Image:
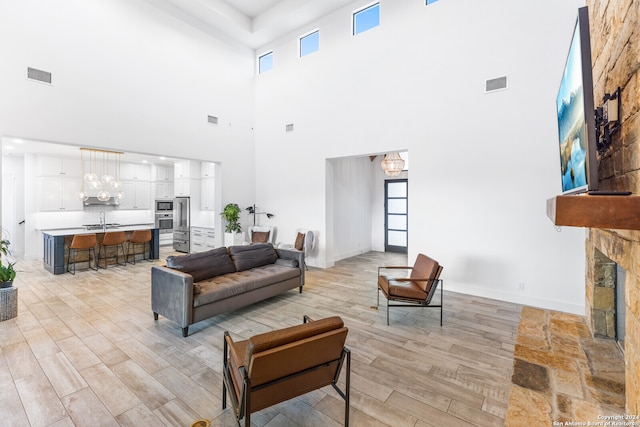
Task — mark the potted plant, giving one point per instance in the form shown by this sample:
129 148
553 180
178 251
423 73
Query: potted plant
7 273
233 231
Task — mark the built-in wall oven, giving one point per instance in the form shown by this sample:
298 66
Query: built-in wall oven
164 222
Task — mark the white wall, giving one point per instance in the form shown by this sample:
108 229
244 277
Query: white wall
482 165
352 200
13 204
127 76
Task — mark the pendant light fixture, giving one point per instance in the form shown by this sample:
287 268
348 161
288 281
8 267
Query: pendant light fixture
392 164
103 194
101 186
107 178
82 194
90 177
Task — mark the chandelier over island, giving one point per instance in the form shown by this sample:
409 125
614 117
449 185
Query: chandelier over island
103 175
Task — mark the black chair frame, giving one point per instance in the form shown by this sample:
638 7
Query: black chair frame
411 302
95 260
243 408
117 256
144 252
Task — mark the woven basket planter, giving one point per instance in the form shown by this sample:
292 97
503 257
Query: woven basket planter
8 303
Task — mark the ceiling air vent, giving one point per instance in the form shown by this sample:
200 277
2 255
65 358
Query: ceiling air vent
289 128
212 119
498 83
39 75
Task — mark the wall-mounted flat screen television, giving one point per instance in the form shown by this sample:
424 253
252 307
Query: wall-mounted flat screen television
576 117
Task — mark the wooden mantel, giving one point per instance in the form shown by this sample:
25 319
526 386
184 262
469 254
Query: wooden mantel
595 211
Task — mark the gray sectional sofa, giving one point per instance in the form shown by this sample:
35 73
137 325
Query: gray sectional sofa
195 287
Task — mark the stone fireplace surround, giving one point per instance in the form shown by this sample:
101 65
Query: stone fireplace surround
615 55
622 247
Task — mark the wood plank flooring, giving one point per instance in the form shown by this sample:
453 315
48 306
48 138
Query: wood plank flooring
85 351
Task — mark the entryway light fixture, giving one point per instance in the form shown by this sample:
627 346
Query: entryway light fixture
106 182
392 164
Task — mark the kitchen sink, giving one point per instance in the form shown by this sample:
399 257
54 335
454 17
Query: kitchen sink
100 226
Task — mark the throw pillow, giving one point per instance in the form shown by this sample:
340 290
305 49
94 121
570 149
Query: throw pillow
252 256
299 245
260 237
203 265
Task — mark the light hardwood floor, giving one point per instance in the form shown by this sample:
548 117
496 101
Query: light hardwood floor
85 351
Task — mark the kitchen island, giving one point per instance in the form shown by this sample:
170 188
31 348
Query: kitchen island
57 241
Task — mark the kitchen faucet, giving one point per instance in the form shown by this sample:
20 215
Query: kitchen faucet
103 221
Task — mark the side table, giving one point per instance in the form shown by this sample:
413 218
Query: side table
8 303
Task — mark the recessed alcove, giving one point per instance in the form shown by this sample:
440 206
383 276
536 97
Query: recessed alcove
608 308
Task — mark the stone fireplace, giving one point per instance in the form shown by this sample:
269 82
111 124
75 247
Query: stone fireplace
615 51
605 250
607 315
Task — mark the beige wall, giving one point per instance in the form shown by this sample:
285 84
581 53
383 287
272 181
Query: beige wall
615 45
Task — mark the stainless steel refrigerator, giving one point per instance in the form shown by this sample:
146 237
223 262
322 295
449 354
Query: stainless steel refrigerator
181 224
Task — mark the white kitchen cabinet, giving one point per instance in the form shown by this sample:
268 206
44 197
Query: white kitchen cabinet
55 165
163 173
181 169
134 172
186 169
207 194
202 239
181 187
164 190
137 195
207 170
59 193
188 188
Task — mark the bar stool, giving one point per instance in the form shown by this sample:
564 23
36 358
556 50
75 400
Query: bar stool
139 237
82 242
110 239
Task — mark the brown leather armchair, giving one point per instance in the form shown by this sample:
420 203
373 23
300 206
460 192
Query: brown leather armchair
272 367
417 290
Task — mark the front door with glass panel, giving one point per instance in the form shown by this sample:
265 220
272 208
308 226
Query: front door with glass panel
395 213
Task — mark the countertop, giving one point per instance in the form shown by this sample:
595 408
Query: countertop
82 230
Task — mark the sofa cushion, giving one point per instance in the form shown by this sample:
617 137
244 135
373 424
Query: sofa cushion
299 244
401 289
260 237
251 256
203 265
235 284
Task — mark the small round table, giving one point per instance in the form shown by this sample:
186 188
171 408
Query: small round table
8 303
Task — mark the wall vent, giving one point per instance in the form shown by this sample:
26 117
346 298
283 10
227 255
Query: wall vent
212 119
39 75
289 127
498 83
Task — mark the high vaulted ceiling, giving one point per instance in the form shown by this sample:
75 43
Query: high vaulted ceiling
252 23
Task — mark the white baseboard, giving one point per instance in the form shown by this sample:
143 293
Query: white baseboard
520 298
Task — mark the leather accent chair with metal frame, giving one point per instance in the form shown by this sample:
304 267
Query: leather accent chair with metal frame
276 366
417 290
